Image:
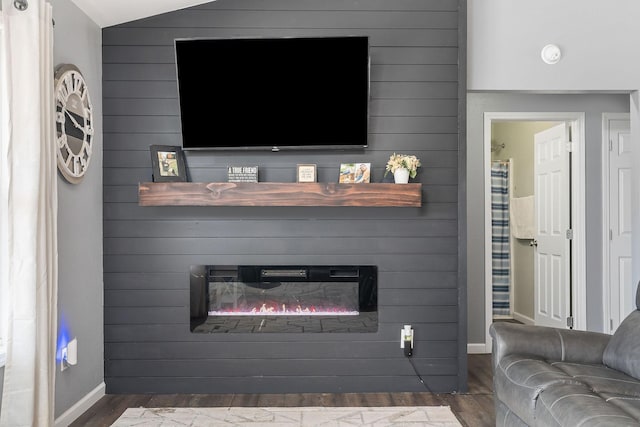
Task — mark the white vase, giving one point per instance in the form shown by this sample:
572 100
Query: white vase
401 176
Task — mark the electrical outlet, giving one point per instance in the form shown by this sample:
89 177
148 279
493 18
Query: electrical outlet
69 355
406 340
63 359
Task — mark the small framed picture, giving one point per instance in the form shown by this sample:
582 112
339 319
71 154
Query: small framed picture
307 173
168 163
355 173
347 173
363 173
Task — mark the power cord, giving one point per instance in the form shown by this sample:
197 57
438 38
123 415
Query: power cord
418 375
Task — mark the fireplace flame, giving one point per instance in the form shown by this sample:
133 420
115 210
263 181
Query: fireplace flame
272 310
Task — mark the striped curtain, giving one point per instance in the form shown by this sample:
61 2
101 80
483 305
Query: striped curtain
500 252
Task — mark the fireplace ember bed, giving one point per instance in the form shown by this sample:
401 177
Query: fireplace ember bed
258 298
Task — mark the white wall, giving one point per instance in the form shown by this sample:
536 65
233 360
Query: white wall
78 40
598 39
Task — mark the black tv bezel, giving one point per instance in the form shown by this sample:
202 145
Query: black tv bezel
272 148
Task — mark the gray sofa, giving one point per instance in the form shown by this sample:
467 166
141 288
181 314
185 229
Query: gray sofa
558 377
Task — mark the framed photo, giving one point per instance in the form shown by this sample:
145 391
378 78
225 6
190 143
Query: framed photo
355 173
307 173
168 163
363 173
347 173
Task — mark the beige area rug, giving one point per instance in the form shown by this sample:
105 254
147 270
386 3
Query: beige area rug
413 416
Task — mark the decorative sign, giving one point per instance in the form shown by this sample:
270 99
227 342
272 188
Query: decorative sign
307 173
242 173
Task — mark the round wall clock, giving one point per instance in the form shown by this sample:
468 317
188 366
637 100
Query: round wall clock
74 123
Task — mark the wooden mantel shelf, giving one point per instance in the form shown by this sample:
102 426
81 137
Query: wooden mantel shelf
278 194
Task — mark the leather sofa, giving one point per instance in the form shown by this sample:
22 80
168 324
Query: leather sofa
559 377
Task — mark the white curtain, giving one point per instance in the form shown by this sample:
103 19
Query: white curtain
28 215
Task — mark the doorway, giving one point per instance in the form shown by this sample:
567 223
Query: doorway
526 299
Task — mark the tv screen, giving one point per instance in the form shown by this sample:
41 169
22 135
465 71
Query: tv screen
273 93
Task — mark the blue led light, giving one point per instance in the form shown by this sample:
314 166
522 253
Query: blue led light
63 338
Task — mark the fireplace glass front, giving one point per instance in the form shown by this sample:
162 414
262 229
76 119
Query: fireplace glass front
283 299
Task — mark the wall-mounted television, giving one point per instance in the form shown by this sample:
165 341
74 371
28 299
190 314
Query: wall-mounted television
273 93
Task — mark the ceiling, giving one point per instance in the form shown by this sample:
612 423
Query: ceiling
106 13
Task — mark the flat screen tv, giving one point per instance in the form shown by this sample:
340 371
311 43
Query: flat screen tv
273 93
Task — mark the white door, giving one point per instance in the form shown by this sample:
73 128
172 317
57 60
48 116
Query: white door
621 289
552 282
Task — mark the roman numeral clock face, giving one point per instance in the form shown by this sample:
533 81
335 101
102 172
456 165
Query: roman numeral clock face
74 123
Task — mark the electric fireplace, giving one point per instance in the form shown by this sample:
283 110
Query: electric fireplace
265 298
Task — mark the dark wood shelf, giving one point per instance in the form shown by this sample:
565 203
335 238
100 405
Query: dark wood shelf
278 194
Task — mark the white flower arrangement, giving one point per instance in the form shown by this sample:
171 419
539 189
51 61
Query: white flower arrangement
399 161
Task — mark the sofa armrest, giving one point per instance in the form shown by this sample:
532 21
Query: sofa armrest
547 343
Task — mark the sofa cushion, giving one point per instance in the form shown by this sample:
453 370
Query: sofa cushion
601 379
576 405
623 351
519 380
629 404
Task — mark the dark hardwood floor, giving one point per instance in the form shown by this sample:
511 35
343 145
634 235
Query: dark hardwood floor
474 408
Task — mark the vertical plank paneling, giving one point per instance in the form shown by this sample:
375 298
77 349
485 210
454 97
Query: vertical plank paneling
415 109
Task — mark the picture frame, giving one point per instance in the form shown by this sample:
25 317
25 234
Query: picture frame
307 173
347 173
168 163
355 173
363 173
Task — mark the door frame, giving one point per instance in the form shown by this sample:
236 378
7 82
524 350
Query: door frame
606 220
578 207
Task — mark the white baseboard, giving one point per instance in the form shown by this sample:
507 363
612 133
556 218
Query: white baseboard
72 414
524 319
478 348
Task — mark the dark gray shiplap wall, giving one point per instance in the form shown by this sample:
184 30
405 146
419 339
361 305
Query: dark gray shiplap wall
147 250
